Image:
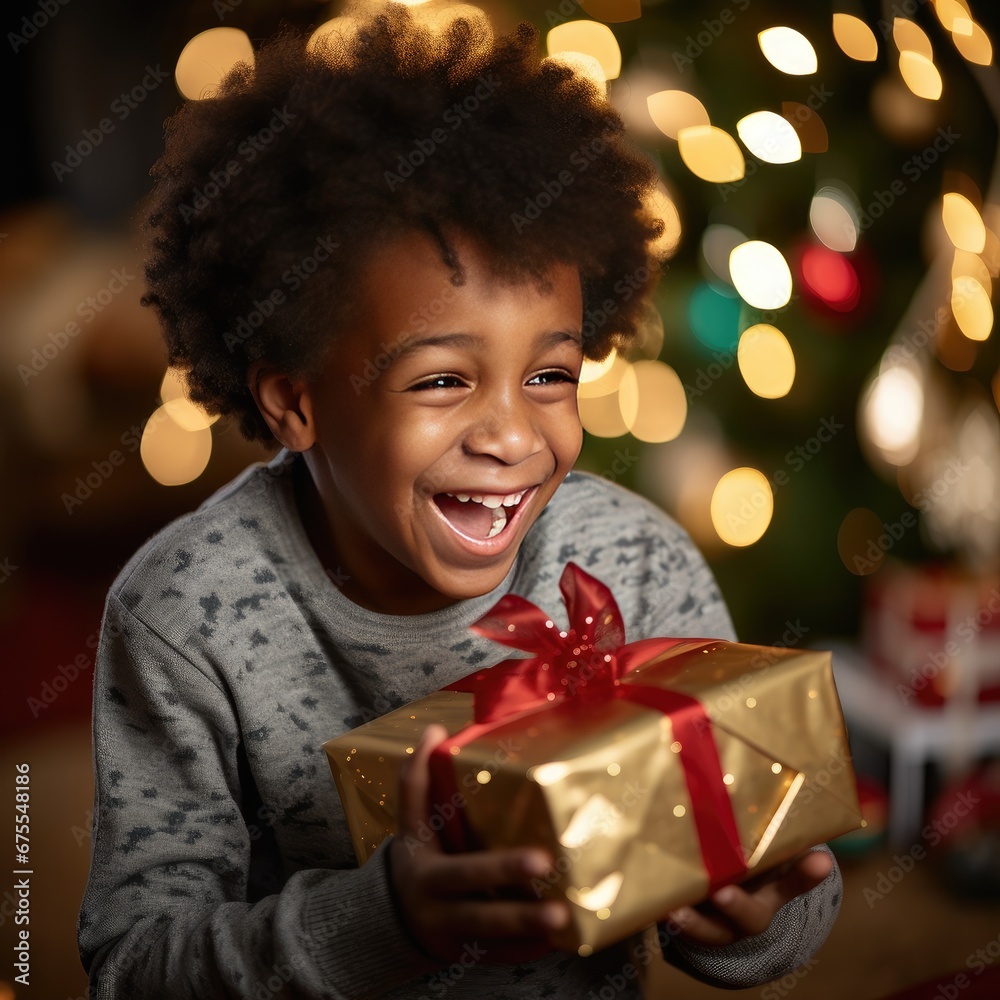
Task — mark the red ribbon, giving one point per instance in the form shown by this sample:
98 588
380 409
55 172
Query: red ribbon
587 663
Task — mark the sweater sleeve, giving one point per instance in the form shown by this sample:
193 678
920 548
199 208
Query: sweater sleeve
166 910
803 924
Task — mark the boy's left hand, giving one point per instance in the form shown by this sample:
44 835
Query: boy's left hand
737 911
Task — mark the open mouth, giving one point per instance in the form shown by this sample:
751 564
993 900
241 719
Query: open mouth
480 516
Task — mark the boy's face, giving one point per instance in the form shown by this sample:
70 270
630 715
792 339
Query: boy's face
439 393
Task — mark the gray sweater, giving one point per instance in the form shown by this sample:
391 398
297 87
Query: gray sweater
221 864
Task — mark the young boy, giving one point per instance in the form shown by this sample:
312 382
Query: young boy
416 355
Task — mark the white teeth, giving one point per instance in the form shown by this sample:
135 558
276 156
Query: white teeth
491 500
499 521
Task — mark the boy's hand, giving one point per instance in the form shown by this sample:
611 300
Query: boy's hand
738 911
481 898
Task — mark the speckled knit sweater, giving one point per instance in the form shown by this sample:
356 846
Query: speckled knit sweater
222 865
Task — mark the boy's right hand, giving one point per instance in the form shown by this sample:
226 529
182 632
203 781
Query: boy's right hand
448 901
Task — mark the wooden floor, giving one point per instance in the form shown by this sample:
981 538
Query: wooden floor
915 932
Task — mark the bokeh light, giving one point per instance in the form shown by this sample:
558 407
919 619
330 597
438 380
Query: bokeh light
584 66
652 401
172 455
761 274
601 415
602 377
770 137
673 110
833 215
742 506
714 317
592 39
831 278
207 58
910 37
183 412
766 360
920 75
788 50
612 10
857 541
891 414
963 223
974 46
855 38
717 243
711 154
809 127
971 307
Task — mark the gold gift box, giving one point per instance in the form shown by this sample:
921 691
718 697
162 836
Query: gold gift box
601 786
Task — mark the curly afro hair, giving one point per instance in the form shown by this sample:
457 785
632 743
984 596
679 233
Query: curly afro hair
271 193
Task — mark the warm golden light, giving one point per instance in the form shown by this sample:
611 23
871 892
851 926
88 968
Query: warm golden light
584 66
591 38
336 31
963 223
605 381
892 410
207 58
660 205
788 50
920 75
974 46
711 153
184 413
591 371
971 307
652 401
855 38
808 125
766 361
672 110
769 137
742 506
761 274
972 266
601 415
910 37
952 14
833 216
172 455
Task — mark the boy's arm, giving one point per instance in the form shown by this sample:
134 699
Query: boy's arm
795 933
165 910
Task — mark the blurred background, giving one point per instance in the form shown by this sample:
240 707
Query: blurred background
815 398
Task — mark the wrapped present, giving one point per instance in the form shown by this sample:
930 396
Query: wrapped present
653 771
934 633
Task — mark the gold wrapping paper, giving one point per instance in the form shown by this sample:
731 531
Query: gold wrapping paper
602 788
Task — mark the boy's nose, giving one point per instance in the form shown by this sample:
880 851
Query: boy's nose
505 429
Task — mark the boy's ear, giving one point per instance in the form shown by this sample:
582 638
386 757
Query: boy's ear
286 405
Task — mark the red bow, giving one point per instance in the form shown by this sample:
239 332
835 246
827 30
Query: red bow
587 663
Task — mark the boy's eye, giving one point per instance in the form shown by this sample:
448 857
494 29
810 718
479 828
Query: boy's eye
553 377
438 382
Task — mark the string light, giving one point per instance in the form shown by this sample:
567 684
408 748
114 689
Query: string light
788 50
207 58
590 38
856 40
742 506
963 223
711 154
766 361
652 401
673 110
172 455
920 75
770 137
761 274
833 215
